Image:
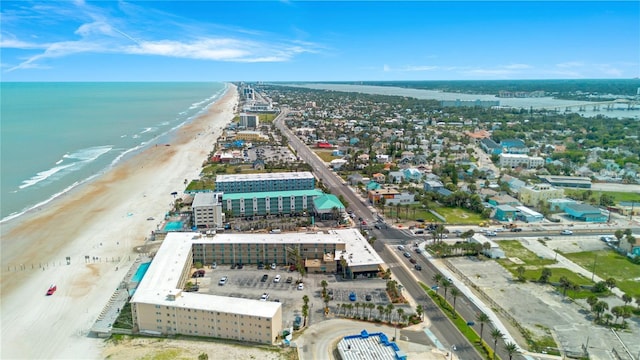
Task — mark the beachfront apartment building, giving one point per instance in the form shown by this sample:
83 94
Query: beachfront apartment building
249 120
515 160
539 193
270 202
160 307
207 210
283 181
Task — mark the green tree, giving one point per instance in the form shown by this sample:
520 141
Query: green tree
305 313
545 275
446 284
454 293
400 312
482 318
437 278
380 309
520 270
496 335
420 311
203 356
511 349
611 283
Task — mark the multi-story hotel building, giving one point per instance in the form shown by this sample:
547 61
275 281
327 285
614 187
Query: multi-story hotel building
159 305
269 203
245 183
207 210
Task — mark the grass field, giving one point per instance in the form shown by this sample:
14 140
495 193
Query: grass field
617 195
325 155
459 216
609 264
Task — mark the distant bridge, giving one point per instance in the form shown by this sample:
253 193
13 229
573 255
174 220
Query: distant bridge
617 104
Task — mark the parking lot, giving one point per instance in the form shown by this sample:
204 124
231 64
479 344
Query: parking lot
246 283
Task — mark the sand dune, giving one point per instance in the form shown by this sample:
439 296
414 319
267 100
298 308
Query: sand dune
105 219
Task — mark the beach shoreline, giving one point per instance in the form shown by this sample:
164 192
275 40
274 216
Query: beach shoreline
104 220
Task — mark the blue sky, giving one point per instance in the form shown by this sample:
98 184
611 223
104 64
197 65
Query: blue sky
317 41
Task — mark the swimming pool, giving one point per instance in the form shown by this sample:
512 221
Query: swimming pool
173 226
142 269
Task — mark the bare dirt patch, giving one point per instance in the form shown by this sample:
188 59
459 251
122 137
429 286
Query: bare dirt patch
147 348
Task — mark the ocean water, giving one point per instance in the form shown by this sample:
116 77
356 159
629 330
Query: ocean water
55 136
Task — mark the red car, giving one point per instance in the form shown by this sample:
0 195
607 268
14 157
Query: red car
51 290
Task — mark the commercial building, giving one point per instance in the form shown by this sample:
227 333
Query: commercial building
269 202
539 193
490 147
493 251
505 213
567 181
249 120
207 210
586 213
320 252
527 215
159 305
514 146
515 160
284 181
248 135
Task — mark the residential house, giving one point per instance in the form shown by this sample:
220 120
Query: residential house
379 178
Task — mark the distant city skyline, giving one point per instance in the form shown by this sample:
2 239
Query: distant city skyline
318 41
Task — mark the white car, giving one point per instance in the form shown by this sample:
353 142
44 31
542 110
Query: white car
264 297
273 266
276 279
222 281
301 286
566 232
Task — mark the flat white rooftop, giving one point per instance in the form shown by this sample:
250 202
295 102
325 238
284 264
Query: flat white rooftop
358 251
160 283
202 199
264 176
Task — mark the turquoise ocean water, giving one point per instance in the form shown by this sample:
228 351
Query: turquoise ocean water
55 136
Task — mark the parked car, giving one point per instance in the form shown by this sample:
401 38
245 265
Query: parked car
197 274
239 266
352 296
214 265
223 280
264 278
276 279
273 266
566 232
52 289
368 297
260 265
292 267
301 286
264 297
289 280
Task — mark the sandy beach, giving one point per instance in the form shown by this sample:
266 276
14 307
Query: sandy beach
104 220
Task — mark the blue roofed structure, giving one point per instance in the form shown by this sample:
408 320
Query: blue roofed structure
367 346
586 213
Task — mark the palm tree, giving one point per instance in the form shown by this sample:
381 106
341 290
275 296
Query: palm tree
400 313
445 284
599 308
545 275
380 309
511 349
390 308
371 306
420 311
482 318
565 284
357 307
349 307
437 278
495 334
454 293
305 313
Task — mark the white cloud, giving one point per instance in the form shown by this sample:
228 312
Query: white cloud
99 32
